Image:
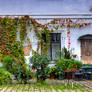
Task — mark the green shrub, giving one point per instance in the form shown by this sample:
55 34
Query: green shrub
69 64
40 63
16 68
56 71
8 63
52 70
5 76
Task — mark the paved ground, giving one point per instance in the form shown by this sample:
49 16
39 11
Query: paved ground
55 86
86 84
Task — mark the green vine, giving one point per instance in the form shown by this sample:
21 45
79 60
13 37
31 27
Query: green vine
9 43
44 30
22 29
8 35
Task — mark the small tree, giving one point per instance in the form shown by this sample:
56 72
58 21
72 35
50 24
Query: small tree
40 63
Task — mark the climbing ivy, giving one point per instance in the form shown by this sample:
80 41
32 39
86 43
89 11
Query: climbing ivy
9 28
22 28
44 42
9 44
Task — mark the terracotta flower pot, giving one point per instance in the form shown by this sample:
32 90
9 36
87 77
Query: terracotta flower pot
52 76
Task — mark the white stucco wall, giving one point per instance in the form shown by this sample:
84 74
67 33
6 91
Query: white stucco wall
33 40
74 35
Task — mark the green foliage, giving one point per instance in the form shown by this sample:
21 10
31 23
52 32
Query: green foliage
41 84
40 62
22 28
5 76
17 51
64 53
8 62
44 40
12 44
8 35
16 68
47 69
55 70
79 64
69 64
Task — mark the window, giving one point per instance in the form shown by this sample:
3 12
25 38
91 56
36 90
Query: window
55 37
55 45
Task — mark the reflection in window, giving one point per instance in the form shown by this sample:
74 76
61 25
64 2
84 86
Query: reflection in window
55 45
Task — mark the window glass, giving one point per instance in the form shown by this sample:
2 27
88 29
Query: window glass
55 45
55 48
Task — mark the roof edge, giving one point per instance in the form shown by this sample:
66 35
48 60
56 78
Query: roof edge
55 15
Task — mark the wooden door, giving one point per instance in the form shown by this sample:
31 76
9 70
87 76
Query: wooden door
86 51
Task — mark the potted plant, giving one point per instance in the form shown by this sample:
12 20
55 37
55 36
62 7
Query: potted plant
69 66
52 72
56 72
40 63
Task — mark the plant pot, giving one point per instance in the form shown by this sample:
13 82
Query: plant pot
52 76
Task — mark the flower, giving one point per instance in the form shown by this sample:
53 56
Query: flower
73 69
74 64
8 52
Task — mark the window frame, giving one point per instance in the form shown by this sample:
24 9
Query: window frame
51 42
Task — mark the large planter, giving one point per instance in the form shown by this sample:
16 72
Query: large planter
70 73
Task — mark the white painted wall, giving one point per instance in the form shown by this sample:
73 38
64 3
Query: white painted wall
34 40
75 34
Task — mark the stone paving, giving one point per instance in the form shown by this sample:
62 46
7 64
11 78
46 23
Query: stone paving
84 83
86 87
87 84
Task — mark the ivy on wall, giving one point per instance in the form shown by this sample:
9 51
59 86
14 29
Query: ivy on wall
9 44
44 30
